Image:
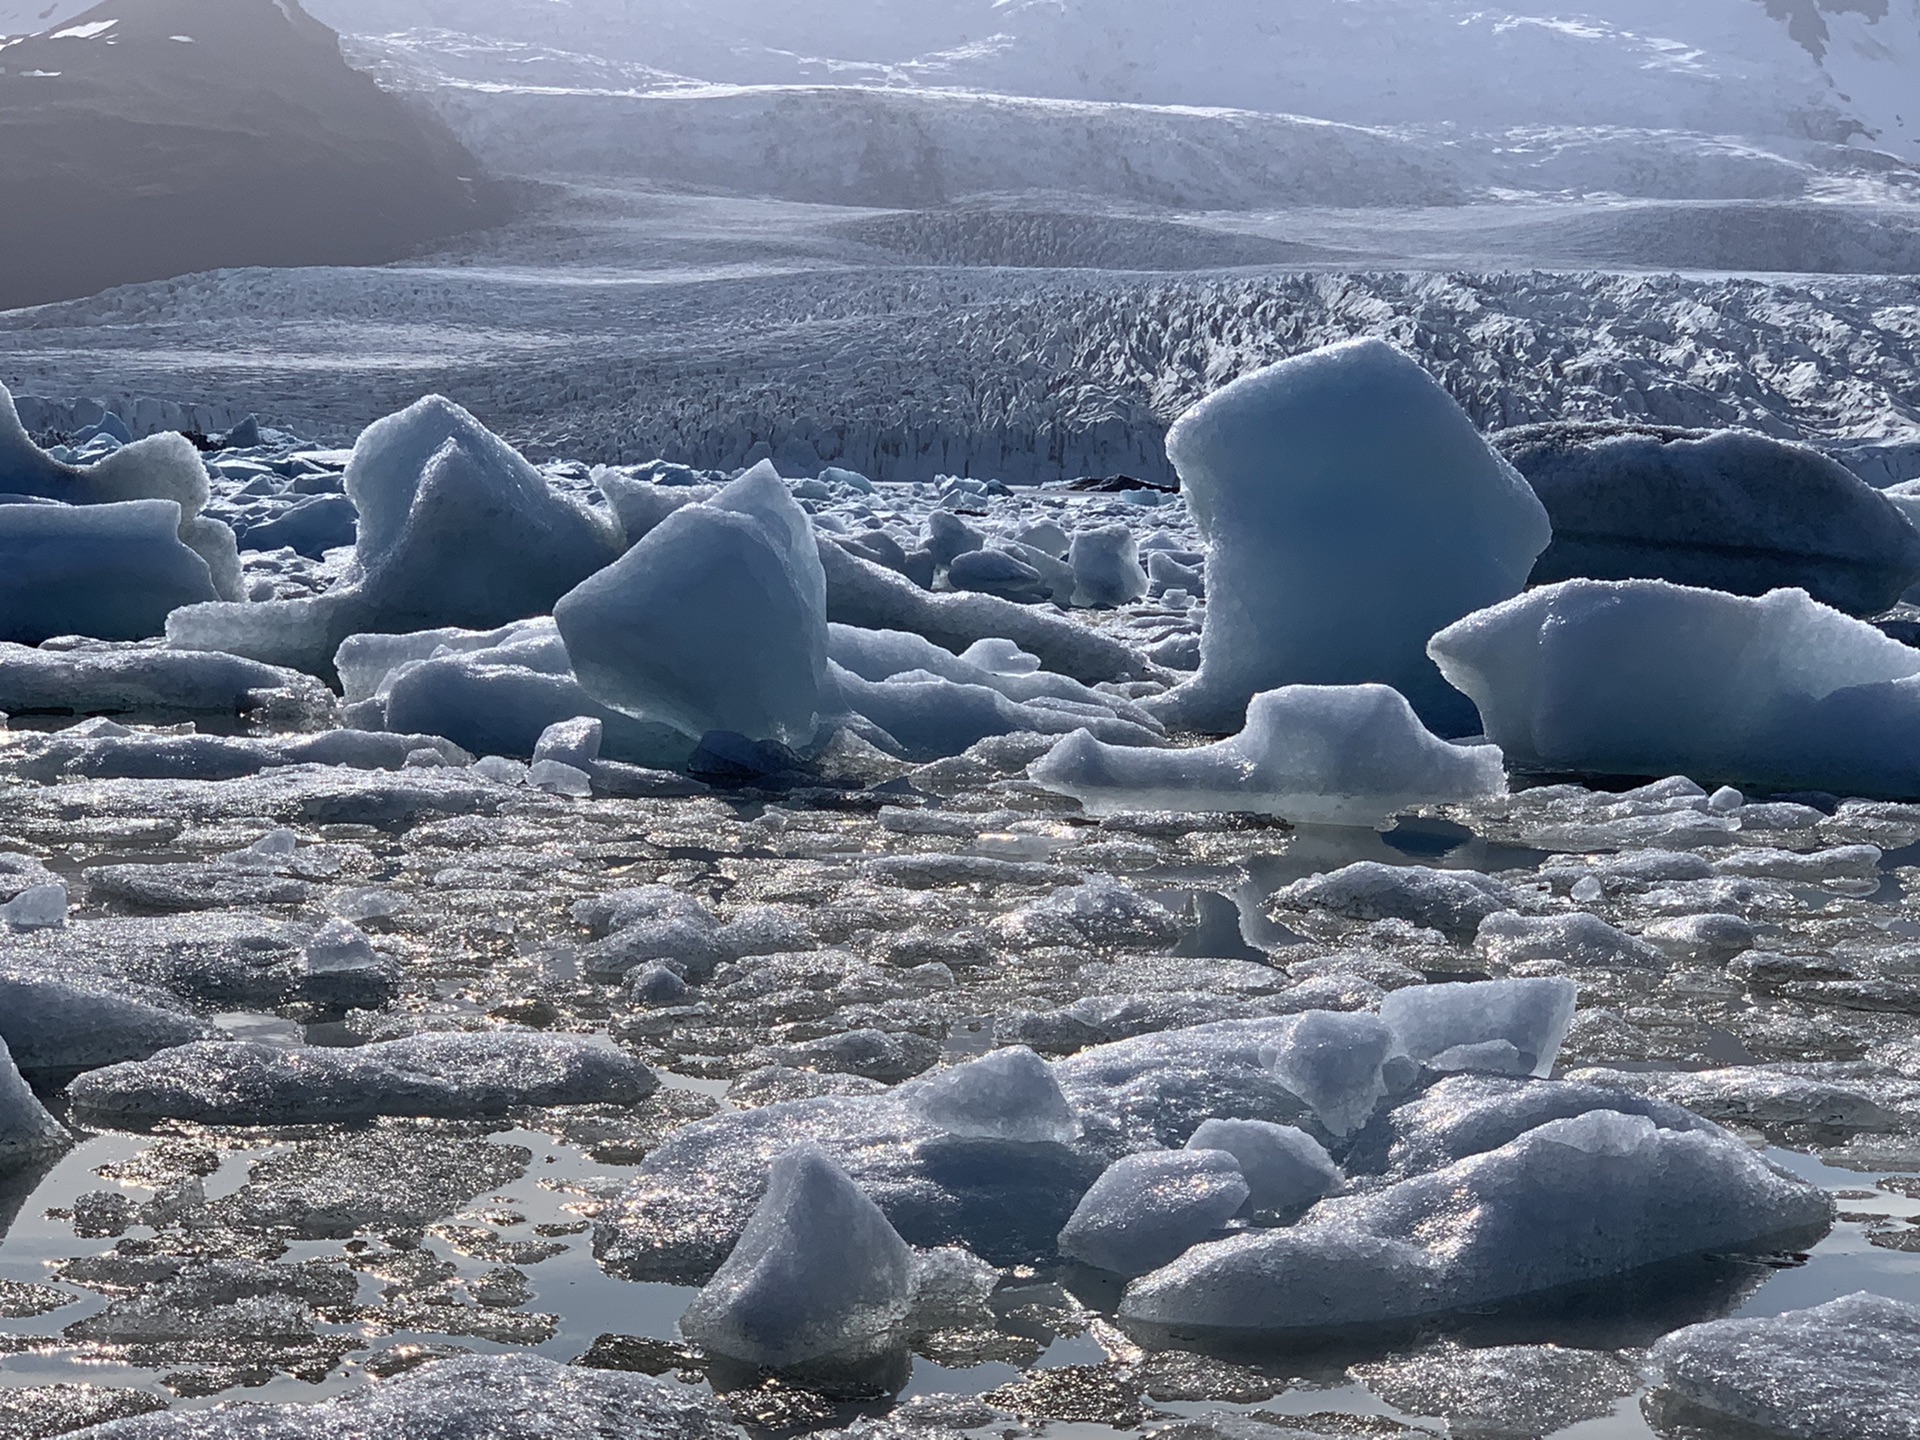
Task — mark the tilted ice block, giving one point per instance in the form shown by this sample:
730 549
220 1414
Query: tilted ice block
818 1274
114 571
1331 755
449 1074
1639 677
1150 1208
1335 1063
1724 510
1531 1016
1351 511
715 621
456 528
1010 1094
1286 1169
1573 1200
1846 1370
27 1131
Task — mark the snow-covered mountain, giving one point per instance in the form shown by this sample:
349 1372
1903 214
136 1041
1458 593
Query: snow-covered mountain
1816 69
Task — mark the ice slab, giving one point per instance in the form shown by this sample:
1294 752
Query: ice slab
1507 938
1150 1208
445 1074
1571 1201
1329 755
1106 567
1846 1370
1010 1094
1639 677
1454 902
107 680
817 1274
716 620
1725 510
1351 511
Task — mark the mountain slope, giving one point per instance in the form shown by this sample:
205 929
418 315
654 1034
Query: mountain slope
146 138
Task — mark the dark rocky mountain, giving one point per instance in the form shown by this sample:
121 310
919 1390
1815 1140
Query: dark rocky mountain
148 138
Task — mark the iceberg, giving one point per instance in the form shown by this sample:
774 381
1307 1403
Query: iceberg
817 1274
1640 677
1315 755
1351 511
112 571
1721 510
716 620
456 529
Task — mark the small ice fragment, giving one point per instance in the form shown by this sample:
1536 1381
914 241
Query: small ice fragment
502 770
1286 1169
1010 1094
370 903
573 742
558 779
1725 800
1430 1021
1587 889
1334 1063
38 907
339 945
656 985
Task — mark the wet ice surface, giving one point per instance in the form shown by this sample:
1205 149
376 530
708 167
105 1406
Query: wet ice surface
195 1262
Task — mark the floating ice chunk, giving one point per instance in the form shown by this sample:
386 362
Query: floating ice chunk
27 1131
1641 677
1701 939
817 1275
1340 755
1503 1391
1010 1094
1572 1200
1851 867
1286 1169
114 572
1846 1370
1352 510
521 1395
1530 1016
1148 1209
574 742
444 1074
997 572
1506 938
456 528
1106 567
38 907
1336 1064
656 985
924 717
1454 902
715 621
1104 912
1722 510
1000 665
949 537
344 970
